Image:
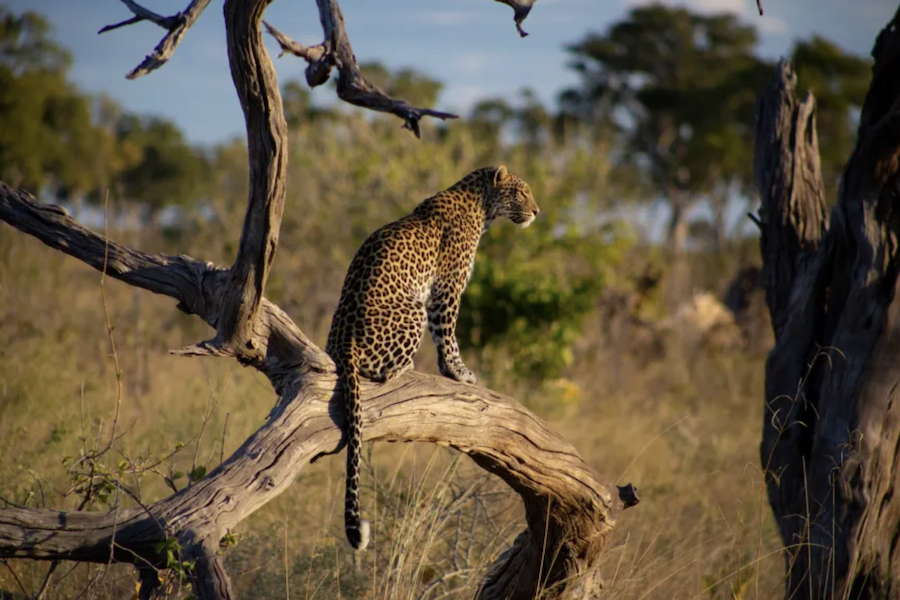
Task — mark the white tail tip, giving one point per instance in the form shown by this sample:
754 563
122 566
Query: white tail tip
365 533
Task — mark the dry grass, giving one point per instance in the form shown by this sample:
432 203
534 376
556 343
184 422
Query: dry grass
684 429
683 426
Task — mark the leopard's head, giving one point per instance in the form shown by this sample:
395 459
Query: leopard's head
509 196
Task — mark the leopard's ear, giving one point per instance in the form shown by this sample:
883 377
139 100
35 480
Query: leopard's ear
501 175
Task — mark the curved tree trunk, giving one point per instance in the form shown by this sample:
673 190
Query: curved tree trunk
831 432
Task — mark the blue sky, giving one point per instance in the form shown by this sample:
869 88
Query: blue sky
470 45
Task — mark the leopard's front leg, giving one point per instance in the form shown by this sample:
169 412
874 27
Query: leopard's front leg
443 310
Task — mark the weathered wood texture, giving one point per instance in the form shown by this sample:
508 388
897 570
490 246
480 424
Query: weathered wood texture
257 88
831 431
570 511
176 25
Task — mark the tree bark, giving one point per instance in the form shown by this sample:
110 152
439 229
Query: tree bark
570 512
831 431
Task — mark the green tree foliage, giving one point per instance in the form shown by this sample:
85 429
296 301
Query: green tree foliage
839 80
530 298
53 137
45 123
680 89
167 171
531 291
488 121
298 106
26 45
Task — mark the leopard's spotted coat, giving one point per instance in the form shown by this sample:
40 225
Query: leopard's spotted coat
409 273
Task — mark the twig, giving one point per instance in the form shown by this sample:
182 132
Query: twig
222 448
143 14
756 220
353 87
5 563
10 503
109 327
43 589
521 9
112 538
211 403
177 26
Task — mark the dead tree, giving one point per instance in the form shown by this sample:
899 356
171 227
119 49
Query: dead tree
570 511
831 432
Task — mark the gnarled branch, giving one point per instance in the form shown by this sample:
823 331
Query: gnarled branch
196 285
521 8
257 87
177 26
352 87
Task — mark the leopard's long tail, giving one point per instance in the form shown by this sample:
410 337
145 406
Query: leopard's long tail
357 529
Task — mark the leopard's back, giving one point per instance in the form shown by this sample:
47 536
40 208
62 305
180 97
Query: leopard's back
381 311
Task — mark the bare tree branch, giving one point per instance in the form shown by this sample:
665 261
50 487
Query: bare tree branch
177 26
196 285
257 87
143 14
53 226
521 9
319 57
352 87
256 84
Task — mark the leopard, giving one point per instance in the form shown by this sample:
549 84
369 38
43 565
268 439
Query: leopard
408 275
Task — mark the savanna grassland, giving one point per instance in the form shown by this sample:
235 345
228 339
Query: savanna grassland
615 335
677 413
